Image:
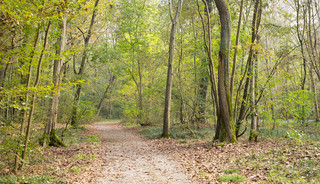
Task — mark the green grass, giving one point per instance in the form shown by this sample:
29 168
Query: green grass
81 156
92 138
128 124
75 135
230 171
30 180
232 178
311 131
76 169
180 132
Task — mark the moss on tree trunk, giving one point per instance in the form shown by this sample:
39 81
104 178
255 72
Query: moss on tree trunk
52 140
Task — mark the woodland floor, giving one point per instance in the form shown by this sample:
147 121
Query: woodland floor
122 155
130 158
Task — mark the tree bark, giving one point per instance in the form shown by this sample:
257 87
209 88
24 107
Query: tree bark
203 85
315 98
74 119
167 108
211 65
312 53
33 98
249 68
49 137
227 127
254 114
105 95
28 82
236 53
301 39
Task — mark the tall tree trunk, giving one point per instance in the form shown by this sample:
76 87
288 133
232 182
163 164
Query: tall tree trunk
312 53
227 126
301 40
50 136
213 82
33 98
315 98
180 84
28 82
167 108
254 88
77 94
236 53
204 80
105 94
249 68
140 98
203 88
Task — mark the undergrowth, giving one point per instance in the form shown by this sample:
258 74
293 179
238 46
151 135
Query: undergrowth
32 180
291 129
36 154
74 136
232 178
180 132
285 129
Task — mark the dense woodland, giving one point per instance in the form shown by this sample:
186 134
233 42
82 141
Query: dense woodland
245 68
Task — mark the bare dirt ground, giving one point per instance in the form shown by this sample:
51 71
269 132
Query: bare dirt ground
129 158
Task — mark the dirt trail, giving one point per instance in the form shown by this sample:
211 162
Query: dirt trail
130 159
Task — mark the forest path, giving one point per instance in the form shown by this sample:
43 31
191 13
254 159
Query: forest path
130 158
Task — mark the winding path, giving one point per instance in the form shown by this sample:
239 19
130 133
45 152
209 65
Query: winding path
130 159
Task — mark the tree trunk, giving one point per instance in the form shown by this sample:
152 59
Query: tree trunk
211 65
301 40
315 98
249 68
174 26
74 118
235 53
49 137
140 100
254 113
2 70
24 120
312 53
203 86
226 120
104 95
33 98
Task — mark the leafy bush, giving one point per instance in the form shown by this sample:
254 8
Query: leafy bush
86 111
296 136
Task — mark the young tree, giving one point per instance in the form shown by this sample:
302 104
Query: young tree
34 96
248 73
174 26
84 57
